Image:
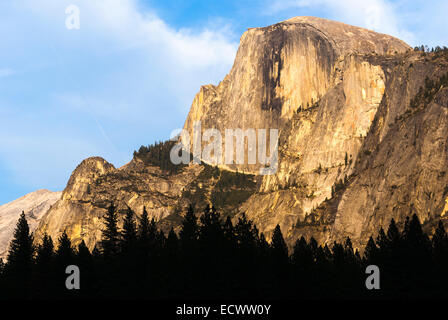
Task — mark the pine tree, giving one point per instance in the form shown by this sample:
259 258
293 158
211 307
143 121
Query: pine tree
64 253
417 246
160 240
130 273
64 257
390 241
170 262
83 255
85 260
143 228
172 245
229 230
144 235
263 245
230 243
188 237
20 261
210 233
21 251
45 251
246 233
414 233
190 229
129 233
381 240
211 244
278 244
371 251
145 240
348 251
96 252
111 236
302 257
280 258
338 256
440 245
406 227
44 272
393 234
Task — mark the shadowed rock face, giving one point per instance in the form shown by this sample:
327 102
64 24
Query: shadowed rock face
352 152
402 169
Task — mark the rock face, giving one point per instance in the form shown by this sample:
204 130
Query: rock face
356 147
289 66
96 184
320 83
34 204
402 166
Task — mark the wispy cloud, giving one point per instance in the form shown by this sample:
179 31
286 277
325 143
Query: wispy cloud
125 78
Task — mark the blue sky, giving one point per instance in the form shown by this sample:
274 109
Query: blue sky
127 77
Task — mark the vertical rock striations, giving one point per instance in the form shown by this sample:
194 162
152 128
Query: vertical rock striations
359 141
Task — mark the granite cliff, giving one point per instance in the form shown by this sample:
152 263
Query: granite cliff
362 122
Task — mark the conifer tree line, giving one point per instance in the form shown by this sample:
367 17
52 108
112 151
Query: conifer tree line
158 154
213 258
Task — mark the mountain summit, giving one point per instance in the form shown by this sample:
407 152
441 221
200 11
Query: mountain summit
362 123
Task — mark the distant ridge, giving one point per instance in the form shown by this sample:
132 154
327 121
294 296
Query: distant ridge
34 204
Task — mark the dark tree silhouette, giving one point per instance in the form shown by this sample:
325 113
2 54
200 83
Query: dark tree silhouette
279 248
279 256
190 229
45 251
64 252
21 249
20 260
44 270
371 252
111 236
129 233
213 258
440 246
86 262
64 257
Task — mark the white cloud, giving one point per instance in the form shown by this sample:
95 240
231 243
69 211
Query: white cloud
121 80
124 22
178 60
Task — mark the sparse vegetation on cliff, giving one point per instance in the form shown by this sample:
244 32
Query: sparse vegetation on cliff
158 154
225 189
426 94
